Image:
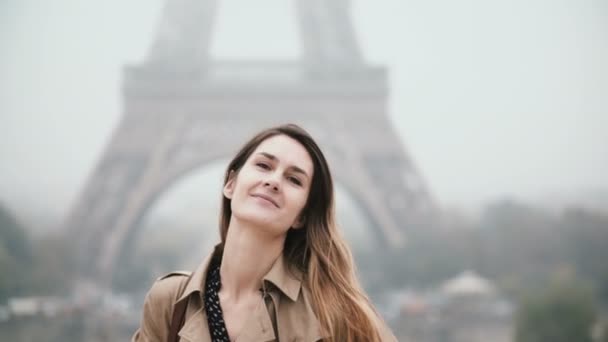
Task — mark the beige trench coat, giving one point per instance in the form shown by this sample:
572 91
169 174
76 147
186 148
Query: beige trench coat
296 320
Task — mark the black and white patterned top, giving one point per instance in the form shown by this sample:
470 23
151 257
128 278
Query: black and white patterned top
215 317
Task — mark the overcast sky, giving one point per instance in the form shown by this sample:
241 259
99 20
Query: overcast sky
491 98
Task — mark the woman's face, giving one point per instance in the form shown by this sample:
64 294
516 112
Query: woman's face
272 187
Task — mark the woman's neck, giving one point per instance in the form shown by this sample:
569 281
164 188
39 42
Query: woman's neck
248 255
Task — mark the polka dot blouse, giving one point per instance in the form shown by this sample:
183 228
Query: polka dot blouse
215 318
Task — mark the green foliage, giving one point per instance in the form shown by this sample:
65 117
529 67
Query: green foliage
562 312
13 237
515 245
519 242
587 234
15 255
31 267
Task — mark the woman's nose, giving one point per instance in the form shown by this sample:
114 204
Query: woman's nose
271 183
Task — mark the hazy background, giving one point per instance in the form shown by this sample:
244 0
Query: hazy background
491 98
503 106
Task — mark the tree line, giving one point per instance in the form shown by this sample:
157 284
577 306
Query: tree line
542 260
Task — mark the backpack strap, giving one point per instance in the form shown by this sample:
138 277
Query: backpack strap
178 317
269 302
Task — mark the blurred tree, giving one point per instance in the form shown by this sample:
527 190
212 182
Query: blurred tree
600 330
515 245
587 235
562 312
13 235
520 246
15 255
39 266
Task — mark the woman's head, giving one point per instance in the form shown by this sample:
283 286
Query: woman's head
281 179
264 167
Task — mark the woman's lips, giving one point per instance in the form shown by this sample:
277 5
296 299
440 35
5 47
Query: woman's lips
267 198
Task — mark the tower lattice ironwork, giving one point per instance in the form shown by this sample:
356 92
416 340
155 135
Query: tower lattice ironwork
182 109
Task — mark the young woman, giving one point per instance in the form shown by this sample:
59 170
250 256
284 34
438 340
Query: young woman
282 271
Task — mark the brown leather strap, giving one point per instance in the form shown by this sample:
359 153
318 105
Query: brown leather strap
177 321
179 316
269 302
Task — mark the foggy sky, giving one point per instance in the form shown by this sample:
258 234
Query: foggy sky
491 98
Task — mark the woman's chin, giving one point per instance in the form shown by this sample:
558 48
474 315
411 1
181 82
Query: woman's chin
266 223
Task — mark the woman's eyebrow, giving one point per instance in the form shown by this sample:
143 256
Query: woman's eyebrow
274 158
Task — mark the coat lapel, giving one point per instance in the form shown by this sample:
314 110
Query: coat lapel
195 328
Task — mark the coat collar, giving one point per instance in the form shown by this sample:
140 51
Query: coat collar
284 278
288 281
197 280
297 322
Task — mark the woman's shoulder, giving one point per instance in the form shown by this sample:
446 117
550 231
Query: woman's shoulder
169 287
158 306
165 292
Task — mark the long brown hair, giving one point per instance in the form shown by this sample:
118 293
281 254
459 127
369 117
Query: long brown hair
318 250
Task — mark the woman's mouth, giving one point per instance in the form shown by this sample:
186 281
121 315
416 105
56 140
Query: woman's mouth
266 198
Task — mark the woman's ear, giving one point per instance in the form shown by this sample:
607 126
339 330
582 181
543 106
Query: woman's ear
229 186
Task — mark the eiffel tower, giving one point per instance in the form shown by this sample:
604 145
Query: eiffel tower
182 110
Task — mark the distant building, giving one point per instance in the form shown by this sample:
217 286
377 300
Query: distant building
467 308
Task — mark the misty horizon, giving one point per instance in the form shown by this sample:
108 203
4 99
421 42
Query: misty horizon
491 101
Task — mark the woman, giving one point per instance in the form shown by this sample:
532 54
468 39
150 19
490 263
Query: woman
282 271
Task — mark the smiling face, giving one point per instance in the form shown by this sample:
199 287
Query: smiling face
272 187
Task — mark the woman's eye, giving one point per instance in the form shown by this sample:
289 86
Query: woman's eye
295 181
263 166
